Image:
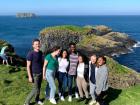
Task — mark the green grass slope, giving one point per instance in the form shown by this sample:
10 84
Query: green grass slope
14 88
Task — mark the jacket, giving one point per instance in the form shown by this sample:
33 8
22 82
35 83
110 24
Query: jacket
101 79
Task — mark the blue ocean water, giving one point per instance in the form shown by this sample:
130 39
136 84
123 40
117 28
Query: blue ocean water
20 32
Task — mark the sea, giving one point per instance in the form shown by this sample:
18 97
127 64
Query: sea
21 31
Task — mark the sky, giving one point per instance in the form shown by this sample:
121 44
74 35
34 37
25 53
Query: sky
71 7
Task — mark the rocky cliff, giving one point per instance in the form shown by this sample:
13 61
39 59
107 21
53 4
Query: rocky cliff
95 39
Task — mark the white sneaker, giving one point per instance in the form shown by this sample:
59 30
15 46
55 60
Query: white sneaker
59 94
92 102
70 98
40 103
76 95
62 98
53 101
97 103
26 104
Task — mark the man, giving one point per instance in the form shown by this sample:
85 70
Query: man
73 57
34 70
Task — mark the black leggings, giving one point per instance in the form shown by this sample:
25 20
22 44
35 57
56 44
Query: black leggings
100 98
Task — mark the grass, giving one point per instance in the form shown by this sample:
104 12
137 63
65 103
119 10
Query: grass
128 96
63 27
97 42
14 88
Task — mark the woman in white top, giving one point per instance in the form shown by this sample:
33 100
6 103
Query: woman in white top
83 77
62 70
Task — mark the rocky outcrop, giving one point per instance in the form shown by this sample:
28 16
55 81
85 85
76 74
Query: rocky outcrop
121 76
95 39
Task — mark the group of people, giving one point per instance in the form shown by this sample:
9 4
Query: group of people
72 69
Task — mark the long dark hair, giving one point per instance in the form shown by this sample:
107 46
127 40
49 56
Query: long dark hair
84 58
61 54
50 50
55 48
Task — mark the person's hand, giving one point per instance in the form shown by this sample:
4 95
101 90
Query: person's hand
44 77
97 94
30 79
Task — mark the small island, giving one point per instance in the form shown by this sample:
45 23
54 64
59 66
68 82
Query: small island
25 15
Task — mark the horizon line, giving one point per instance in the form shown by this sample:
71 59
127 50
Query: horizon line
78 14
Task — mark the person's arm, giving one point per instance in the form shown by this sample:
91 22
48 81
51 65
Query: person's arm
29 71
44 69
89 70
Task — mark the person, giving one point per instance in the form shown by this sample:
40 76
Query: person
73 57
34 70
101 80
83 78
92 79
49 68
62 72
3 55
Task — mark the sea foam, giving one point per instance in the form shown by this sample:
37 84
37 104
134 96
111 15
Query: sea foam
137 44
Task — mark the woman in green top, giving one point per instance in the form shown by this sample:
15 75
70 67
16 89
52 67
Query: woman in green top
49 68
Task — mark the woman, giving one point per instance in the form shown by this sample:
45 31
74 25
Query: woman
92 73
101 79
62 73
83 78
3 55
49 68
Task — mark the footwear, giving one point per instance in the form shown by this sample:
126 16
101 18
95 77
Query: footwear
59 94
40 103
26 104
87 100
81 99
53 101
70 98
92 102
47 98
97 103
62 98
76 95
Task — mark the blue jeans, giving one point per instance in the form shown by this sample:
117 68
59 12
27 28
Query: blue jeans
62 79
72 78
51 84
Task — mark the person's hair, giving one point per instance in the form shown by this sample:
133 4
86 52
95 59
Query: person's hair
72 43
35 40
93 55
104 58
61 53
84 58
55 48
